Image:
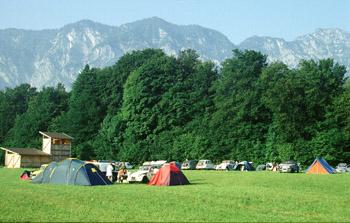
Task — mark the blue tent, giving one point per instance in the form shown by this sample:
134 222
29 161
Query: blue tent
72 172
320 166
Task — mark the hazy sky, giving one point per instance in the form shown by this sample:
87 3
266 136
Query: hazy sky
237 19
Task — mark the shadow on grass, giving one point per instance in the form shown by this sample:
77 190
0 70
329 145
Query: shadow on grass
196 183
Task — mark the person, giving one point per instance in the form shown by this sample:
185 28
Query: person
122 173
109 171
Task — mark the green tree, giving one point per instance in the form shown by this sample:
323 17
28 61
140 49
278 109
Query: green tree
240 120
42 109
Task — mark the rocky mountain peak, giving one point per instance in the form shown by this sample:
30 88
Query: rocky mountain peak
46 57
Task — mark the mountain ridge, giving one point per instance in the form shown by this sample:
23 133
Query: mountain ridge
46 57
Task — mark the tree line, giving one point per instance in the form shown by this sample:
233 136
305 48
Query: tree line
151 106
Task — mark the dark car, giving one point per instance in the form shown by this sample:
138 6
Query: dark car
289 166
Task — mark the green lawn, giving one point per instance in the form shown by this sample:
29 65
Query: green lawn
212 196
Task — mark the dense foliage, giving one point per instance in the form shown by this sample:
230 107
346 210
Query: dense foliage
153 106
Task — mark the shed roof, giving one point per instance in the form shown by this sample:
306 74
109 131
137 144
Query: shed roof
26 151
56 135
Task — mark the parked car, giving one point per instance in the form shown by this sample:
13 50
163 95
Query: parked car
205 165
158 164
269 166
143 175
189 165
289 166
261 167
128 165
102 165
342 168
226 165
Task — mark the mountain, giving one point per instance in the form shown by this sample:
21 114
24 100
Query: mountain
46 57
323 43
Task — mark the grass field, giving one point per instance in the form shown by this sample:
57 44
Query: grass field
212 196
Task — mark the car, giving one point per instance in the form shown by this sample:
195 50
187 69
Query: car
143 175
270 166
226 165
342 168
102 165
289 166
189 165
261 167
158 164
205 165
128 165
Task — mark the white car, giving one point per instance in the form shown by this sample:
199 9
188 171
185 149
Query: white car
269 166
342 168
158 164
226 165
143 175
205 165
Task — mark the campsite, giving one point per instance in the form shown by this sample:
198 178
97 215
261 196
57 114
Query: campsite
175 111
212 195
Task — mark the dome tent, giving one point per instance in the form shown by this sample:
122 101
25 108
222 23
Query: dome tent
72 172
169 175
320 166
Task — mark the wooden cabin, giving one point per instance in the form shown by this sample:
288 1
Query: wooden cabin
57 144
25 157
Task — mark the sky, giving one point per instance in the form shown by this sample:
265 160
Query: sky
237 19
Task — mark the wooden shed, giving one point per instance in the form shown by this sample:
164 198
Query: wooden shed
25 157
57 144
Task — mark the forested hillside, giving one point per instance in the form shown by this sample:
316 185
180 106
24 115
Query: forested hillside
150 105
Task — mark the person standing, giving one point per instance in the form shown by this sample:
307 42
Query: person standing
109 171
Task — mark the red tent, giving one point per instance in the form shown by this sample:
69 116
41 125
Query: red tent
25 175
169 175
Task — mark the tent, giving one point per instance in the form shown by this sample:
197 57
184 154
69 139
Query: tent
244 166
73 172
169 175
25 175
177 164
320 166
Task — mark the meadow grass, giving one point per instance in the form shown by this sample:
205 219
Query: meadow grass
212 197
